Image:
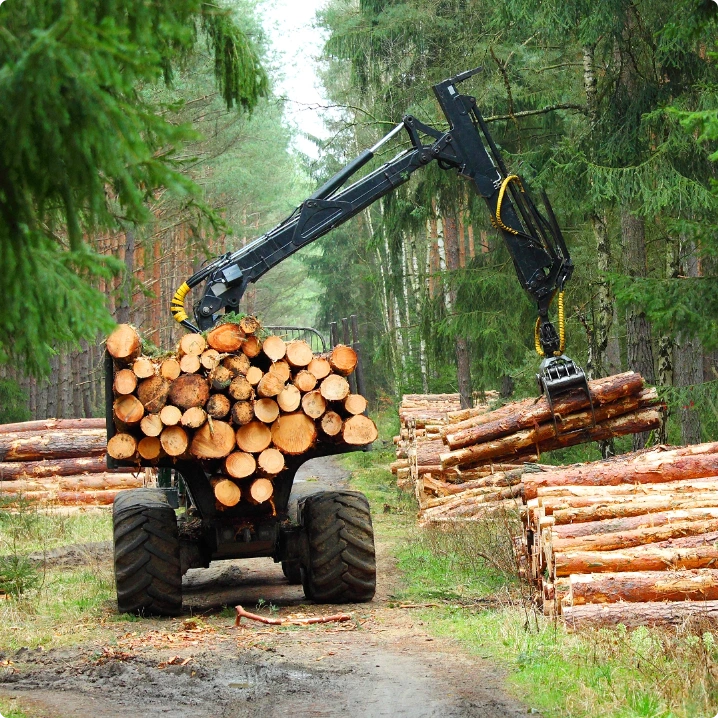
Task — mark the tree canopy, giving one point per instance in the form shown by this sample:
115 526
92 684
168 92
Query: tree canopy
85 150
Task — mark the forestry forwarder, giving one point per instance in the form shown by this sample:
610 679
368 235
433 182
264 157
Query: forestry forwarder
316 527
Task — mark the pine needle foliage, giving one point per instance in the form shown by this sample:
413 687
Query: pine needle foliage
83 151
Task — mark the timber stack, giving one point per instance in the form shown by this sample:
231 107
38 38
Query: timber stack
60 462
235 400
630 540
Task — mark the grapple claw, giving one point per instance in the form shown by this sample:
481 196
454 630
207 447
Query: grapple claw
558 375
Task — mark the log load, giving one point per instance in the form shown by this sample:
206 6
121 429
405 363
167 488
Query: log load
638 532
236 403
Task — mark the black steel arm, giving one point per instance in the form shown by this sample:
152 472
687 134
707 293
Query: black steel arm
534 241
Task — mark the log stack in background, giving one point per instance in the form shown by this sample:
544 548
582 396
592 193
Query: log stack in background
236 401
631 540
60 462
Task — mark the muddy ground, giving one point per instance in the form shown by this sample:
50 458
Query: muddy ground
384 662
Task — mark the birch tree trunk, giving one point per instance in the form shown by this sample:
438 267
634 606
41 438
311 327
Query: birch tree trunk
417 284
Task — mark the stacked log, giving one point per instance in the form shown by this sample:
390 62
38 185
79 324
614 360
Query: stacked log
236 401
621 405
632 540
61 462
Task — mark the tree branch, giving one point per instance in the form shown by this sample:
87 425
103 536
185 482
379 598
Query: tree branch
527 113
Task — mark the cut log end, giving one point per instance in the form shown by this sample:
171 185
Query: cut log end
124 343
253 437
355 404
122 446
274 347
271 461
174 440
334 388
192 344
213 440
343 359
266 410
226 338
227 492
170 415
261 490
359 430
125 381
320 367
294 433
240 465
289 399
299 353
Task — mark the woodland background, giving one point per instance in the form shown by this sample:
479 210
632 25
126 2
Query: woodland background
612 107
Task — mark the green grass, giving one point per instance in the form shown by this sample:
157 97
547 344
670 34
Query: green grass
612 673
10 708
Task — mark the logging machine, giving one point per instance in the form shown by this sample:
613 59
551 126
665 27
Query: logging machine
533 239
323 537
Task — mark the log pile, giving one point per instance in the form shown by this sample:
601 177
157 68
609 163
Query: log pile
60 462
235 400
621 405
632 540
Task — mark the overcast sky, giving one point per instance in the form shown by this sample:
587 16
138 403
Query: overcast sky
297 44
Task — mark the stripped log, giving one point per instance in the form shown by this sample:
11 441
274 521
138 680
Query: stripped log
74 482
15 470
63 444
633 615
41 425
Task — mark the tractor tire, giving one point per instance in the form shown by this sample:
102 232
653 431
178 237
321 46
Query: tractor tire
341 562
292 571
148 573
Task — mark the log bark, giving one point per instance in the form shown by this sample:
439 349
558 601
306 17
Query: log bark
174 440
641 586
28 470
71 498
334 388
359 430
637 537
299 353
603 391
218 406
266 410
343 359
274 347
170 415
240 465
544 435
237 364
242 412
314 404
221 378
294 433
153 393
632 523
122 446
630 506
271 461
51 425
151 425
72 482
604 474
213 440
189 390
700 551
633 615
28 446
240 388
124 344
289 399
254 437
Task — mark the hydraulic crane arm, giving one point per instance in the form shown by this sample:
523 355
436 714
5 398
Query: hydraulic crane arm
534 240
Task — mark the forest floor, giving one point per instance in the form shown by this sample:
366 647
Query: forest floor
384 662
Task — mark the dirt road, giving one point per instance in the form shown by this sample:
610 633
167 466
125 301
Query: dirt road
382 663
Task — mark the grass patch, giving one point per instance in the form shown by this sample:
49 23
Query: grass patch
10 708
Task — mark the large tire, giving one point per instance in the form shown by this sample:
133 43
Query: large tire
342 564
147 554
292 571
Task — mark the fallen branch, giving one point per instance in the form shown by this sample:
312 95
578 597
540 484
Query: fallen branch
241 613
